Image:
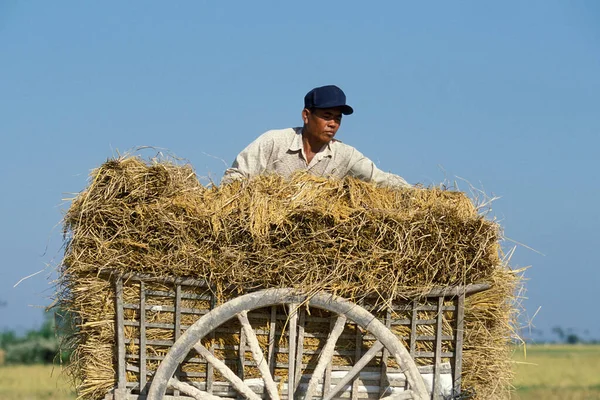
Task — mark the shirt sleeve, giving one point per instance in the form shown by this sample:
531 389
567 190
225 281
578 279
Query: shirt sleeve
251 161
362 168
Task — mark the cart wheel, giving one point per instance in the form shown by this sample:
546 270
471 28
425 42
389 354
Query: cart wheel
239 307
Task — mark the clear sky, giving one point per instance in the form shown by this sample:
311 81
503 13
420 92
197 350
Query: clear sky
504 95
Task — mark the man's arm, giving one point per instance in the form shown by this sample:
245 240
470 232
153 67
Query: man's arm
363 168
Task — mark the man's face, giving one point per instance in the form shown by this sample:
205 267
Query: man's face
321 124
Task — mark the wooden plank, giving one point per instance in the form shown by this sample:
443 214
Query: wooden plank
327 375
418 354
193 296
293 321
241 356
190 390
210 372
414 321
435 292
242 388
357 355
177 330
437 387
121 373
354 373
142 346
458 290
137 277
421 307
384 357
258 355
272 329
458 345
157 308
299 349
326 356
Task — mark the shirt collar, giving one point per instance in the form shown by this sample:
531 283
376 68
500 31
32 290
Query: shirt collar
297 145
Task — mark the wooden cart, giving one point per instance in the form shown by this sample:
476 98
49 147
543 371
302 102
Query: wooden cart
284 344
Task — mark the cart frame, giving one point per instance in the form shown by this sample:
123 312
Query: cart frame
436 300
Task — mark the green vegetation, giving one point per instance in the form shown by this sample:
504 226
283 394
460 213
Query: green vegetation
41 346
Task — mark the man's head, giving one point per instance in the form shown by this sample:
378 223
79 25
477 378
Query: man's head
322 113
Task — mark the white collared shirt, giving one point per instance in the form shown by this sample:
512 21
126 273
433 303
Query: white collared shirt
281 152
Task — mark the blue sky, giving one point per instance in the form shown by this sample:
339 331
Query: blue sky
504 95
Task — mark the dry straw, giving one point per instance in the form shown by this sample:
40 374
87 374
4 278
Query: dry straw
343 236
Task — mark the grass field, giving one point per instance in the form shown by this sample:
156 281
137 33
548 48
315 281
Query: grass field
558 372
547 372
36 382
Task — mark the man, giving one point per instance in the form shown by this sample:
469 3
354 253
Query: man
312 147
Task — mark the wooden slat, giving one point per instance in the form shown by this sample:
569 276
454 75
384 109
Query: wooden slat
272 329
413 329
281 365
414 321
193 296
458 345
293 321
437 387
354 373
435 292
142 346
137 277
418 354
420 307
326 356
258 356
242 353
182 310
121 373
327 376
177 330
458 290
357 355
243 390
299 349
210 372
384 357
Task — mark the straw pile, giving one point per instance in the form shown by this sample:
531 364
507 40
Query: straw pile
343 236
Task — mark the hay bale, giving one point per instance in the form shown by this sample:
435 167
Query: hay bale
343 236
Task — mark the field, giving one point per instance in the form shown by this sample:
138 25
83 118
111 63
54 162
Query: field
36 382
547 372
558 372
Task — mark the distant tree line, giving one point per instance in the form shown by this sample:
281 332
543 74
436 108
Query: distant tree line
563 335
37 346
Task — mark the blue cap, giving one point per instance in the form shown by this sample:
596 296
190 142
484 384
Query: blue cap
327 97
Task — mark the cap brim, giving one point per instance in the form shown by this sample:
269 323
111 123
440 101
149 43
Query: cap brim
347 110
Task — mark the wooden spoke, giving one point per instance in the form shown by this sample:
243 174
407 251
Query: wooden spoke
190 390
326 355
258 356
241 306
227 373
406 395
364 360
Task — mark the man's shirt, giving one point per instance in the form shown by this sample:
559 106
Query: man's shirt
281 152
